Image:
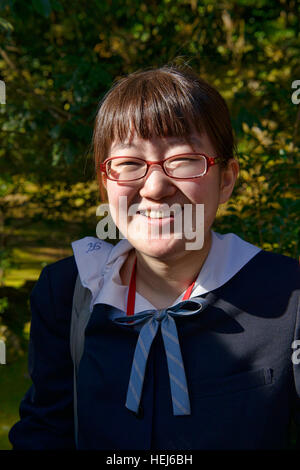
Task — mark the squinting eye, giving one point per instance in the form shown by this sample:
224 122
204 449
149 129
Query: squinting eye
178 160
182 160
129 163
125 163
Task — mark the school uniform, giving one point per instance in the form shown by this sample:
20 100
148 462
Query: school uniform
243 386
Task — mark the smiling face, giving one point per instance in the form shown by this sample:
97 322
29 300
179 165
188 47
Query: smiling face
157 189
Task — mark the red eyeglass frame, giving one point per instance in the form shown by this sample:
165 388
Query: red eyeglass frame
210 161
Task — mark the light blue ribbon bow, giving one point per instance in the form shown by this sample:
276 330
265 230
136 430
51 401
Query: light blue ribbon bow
165 319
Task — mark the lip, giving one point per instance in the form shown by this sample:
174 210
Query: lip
156 221
159 209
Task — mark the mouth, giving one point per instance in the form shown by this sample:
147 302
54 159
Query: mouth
160 213
153 214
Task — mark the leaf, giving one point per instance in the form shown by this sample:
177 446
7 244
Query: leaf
69 153
57 6
6 25
55 131
43 7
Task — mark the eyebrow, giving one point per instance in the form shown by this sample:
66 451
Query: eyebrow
173 140
188 139
125 145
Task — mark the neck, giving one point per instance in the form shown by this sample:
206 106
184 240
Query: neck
162 281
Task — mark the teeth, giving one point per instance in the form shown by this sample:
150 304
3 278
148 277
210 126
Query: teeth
153 214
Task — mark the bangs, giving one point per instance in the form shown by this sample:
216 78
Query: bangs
148 104
153 109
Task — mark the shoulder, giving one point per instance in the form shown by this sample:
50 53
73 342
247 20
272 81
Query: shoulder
266 288
53 292
268 282
63 271
274 267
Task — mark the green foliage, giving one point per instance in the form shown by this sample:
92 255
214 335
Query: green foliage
6 263
3 304
59 59
14 383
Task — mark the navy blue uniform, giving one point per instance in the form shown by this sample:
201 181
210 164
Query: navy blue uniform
244 388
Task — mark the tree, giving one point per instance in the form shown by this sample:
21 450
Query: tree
59 59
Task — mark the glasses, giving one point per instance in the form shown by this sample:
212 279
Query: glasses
180 167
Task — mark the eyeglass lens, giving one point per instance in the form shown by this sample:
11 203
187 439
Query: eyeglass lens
129 168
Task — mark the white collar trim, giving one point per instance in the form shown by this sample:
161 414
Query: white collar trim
227 255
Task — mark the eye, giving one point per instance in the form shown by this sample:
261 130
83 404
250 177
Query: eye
129 163
184 160
125 162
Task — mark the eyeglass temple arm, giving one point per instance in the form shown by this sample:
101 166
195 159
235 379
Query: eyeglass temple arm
211 161
102 167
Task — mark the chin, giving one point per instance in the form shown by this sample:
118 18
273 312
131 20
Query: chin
149 239
159 248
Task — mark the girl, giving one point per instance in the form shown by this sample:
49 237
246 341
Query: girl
183 345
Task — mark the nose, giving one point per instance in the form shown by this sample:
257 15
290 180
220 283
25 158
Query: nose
156 184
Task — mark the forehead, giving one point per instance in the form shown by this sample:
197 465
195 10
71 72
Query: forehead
136 142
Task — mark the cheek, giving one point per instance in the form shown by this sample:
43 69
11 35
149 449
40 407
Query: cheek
115 191
201 192
113 199
119 199
207 193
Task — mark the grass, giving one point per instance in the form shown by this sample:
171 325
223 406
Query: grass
30 261
33 247
15 381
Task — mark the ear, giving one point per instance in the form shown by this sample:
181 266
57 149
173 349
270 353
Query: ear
228 179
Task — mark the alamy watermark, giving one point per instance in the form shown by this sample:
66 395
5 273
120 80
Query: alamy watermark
2 352
296 94
296 354
2 92
137 223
